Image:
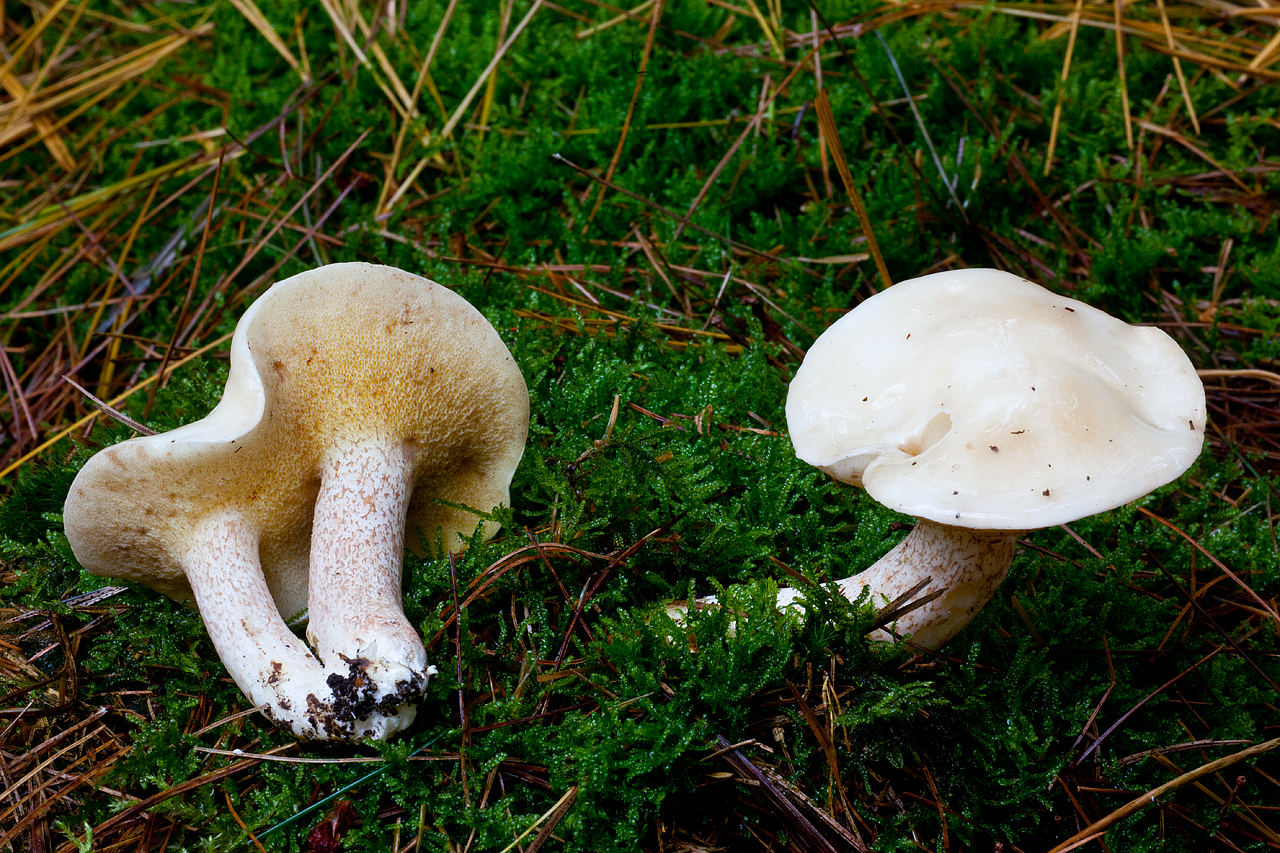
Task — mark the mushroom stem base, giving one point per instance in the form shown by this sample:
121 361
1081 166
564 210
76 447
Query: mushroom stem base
357 548
273 667
966 565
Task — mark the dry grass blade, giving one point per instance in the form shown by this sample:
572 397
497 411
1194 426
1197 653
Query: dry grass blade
1226 54
109 75
64 214
484 75
33 33
614 21
828 124
1118 6
42 124
1177 67
107 410
1066 70
768 30
343 28
17 463
551 816
260 23
1268 54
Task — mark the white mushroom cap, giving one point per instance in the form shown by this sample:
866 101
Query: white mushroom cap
360 398
975 398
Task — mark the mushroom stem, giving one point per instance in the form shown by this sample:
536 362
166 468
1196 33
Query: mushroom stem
271 665
356 621
966 564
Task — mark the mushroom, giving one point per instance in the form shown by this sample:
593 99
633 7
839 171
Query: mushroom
986 406
366 409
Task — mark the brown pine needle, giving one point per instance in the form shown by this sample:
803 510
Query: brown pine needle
553 814
26 457
827 123
1177 67
256 843
1099 827
612 22
107 409
1195 149
654 16
768 30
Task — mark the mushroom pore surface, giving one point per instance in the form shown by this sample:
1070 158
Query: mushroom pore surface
380 390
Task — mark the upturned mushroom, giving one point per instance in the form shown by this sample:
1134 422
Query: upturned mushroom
986 406
365 408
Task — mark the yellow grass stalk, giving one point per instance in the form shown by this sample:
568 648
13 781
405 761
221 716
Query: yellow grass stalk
344 30
254 16
388 197
1268 54
614 21
384 63
491 88
768 30
1118 5
20 49
484 75
1177 67
1066 69
110 74
60 215
22 96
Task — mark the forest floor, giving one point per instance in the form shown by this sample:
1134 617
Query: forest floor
659 208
